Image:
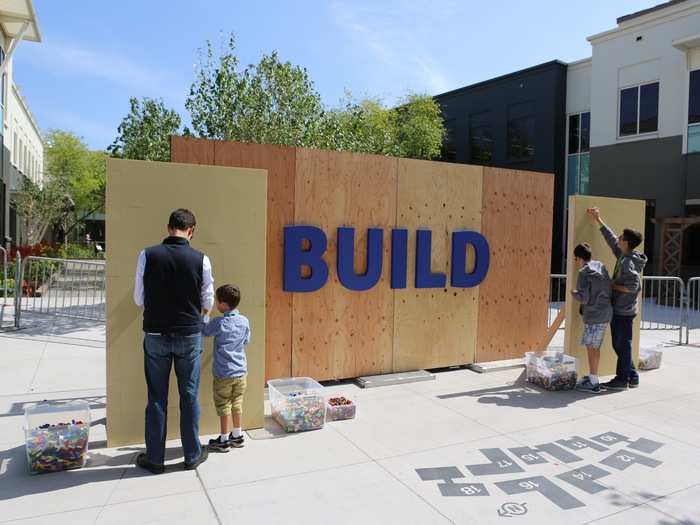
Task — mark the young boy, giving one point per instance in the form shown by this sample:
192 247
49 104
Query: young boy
231 335
594 292
626 285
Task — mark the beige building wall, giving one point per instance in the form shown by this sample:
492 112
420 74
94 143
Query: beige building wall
617 214
230 207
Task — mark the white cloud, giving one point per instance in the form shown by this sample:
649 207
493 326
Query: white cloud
386 32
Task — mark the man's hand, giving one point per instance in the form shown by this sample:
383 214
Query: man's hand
574 292
594 214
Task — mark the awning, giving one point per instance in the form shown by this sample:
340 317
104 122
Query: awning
13 15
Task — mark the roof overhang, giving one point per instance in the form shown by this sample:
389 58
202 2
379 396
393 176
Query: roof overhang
689 42
14 14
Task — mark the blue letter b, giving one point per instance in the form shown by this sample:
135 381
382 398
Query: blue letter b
295 257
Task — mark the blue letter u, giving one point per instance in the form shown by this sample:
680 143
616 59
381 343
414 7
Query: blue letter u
346 259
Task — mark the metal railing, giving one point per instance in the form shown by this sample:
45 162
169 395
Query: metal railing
62 287
692 310
557 297
662 304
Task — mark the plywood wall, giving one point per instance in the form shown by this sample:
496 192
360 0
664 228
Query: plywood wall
435 327
340 333
140 197
514 297
335 333
618 214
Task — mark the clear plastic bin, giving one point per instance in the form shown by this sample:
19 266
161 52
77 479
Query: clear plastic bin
551 370
298 403
57 435
340 407
650 358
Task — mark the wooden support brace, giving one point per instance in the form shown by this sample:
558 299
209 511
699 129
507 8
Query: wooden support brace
549 334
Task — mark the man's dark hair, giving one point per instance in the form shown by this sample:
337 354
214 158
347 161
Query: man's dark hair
229 294
181 219
633 238
583 251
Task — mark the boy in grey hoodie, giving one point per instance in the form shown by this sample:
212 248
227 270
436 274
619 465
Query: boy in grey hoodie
594 293
626 285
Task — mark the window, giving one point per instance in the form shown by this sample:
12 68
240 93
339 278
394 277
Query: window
694 112
521 131
14 150
578 157
639 109
480 137
449 145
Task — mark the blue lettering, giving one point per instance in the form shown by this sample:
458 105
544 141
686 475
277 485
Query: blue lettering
346 259
460 240
399 257
425 278
296 257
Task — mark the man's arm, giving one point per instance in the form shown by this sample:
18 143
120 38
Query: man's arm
138 279
608 234
629 280
581 293
207 292
212 328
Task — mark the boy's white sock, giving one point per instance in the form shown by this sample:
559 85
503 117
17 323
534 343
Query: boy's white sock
223 437
236 433
593 379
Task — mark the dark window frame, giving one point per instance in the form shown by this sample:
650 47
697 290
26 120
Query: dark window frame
637 89
521 150
481 139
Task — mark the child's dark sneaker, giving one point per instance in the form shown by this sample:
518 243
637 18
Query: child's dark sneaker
587 386
217 445
236 442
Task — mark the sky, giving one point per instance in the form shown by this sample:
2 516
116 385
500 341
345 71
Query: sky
95 54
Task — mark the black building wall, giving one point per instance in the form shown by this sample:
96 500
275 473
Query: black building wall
539 91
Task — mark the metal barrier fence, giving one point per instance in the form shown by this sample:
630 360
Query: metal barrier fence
662 298
62 287
557 297
692 311
662 304
4 273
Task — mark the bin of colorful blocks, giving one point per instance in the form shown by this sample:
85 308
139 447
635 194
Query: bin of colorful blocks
298 403
650 358
340 407
551 370
57 435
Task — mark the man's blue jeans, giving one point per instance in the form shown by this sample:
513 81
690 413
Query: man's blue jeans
621 332
159 353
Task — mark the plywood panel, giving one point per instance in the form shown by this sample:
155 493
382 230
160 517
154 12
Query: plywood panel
190 150
514 297
436 327
279 161
617 214
338 333
140 197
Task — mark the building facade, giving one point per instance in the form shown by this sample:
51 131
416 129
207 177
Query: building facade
630 128
22 143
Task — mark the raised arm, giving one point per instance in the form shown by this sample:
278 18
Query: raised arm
608 234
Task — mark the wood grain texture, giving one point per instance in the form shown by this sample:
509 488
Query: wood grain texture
279 161
339 333
191 150
137 210
617 214
514 297
436 327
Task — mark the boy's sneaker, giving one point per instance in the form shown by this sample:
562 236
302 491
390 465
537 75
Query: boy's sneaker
615 384
633 383
587 386
236 442
216 445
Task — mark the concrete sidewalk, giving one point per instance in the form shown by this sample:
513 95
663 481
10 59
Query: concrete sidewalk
466 448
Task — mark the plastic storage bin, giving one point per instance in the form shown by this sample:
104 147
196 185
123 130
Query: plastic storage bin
551 370
650 358
298 403
340 407
57 435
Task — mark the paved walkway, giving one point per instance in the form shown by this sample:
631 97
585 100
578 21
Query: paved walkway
465 448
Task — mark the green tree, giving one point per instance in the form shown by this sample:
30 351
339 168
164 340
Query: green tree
420 127
145 132
271 102
40 207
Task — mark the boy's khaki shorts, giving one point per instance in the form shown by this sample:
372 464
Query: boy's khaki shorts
228 395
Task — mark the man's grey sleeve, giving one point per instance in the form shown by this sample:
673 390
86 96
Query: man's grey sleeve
629 277
611 239
582 288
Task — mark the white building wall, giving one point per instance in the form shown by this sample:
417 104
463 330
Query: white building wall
620 60
578 87
23 138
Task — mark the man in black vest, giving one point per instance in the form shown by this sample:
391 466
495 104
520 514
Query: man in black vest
174 285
